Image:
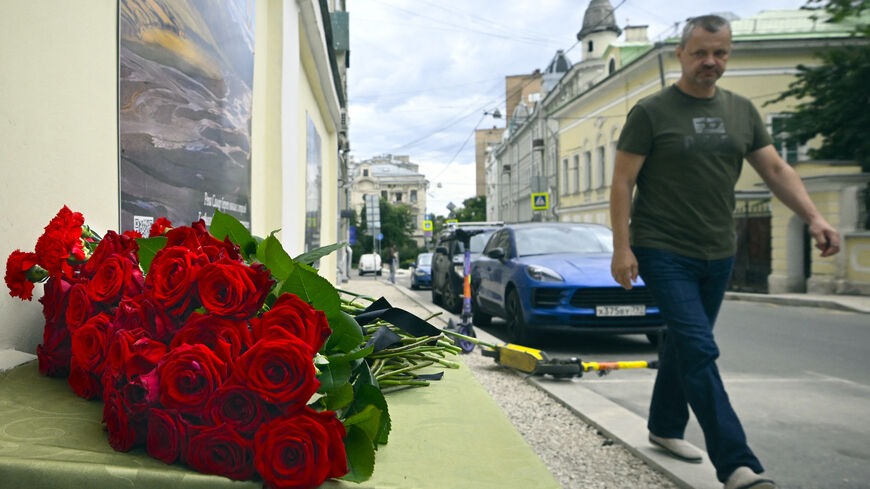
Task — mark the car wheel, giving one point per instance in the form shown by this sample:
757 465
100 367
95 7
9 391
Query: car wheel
517 329
378 273
361 273
451 299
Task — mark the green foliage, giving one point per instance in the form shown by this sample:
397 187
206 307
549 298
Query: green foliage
148 247
834 97
472 210
224 225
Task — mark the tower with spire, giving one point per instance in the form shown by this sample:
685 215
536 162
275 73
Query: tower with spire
599 29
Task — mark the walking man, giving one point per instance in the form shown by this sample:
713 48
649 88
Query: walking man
394 262
684 148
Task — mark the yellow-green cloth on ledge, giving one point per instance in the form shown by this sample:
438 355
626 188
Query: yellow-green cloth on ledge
448 435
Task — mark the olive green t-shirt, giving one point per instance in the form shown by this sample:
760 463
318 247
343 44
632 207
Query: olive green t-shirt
694 152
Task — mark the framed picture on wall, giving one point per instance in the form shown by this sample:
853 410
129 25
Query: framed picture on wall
185 71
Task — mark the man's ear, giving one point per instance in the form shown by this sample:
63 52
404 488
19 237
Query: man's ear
678 50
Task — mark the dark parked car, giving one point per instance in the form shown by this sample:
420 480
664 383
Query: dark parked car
421 271
449 260
544 276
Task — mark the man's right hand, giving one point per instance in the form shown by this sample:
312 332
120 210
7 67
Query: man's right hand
623 267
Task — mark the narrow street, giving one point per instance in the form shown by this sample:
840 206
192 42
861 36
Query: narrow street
796 376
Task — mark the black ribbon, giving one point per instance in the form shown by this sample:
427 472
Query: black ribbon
402 319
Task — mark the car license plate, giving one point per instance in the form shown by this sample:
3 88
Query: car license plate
618 311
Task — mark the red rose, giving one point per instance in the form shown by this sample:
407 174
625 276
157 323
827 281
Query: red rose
17 265
228 338
90 343
112 244
79 308
54 299
140 394
231 289
132 234
124 433
132 353
238 407
61 239
54 353
160 226
144 312
189 374
300 451
167 435
197 238
116 277
84 383
280 370
290 315
220 450
171 278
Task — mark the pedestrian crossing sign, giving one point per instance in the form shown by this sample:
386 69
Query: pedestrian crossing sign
427 225
541 201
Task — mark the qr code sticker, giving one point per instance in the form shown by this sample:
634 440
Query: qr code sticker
142 224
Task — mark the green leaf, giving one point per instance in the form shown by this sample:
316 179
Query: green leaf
223 225
148 247
360 455
313 289
314 255
333 375
368 420
339 398
370 395
346 333
363 376
272 254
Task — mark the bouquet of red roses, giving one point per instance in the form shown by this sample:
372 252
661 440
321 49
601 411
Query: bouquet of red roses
227 355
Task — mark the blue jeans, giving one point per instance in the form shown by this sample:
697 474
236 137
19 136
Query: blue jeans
689 292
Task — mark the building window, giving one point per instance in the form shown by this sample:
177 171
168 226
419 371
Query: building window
575 175
384 194
413 196
398 196
787 147
565 187
365 172
590 46
601 168
611 67
587 170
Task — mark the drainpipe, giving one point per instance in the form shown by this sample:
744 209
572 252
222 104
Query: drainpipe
660 47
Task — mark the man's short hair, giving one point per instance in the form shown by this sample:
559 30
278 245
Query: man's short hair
710 23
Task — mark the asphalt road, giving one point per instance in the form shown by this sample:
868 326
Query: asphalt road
796 377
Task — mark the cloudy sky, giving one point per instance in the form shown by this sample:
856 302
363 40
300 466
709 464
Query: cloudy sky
423 73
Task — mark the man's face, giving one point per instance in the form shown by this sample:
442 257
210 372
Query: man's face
704 56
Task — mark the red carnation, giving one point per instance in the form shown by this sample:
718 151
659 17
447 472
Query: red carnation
300 451
292 316
60 241
160 226
17 266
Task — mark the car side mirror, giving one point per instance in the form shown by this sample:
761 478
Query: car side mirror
441 249
496 253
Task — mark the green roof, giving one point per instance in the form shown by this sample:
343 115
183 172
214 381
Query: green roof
791 24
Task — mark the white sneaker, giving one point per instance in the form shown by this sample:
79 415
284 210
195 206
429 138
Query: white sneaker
678 448
745 478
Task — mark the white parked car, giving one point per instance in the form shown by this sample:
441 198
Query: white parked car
370 263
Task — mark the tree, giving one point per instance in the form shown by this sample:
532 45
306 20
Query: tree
473 209
397 226
835 95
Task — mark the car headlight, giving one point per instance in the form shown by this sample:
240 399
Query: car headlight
543 274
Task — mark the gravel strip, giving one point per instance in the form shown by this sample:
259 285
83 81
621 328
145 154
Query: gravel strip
578 456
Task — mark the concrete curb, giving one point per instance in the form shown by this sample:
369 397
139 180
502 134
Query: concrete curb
795 301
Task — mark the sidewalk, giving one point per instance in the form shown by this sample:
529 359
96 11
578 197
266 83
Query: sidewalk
616 422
